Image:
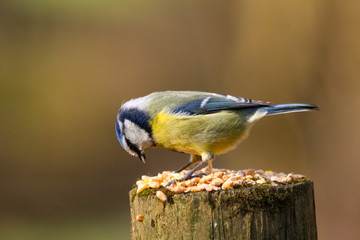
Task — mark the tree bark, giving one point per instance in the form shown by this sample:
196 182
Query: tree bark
257 212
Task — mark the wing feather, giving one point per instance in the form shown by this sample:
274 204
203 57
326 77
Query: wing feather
217 102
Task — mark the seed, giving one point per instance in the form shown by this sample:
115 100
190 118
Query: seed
260 181
292 176
204 180
178 189
250 172
140 218
145 178
275 179
161 195
177 175
287 179
195 189
202 187
219 174
195 180
181 184
188 183
141 187
299 176
208 177
154 179
225 177
154 184
250 182
209 188
217 182
227 184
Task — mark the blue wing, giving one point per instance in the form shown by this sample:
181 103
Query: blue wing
217 102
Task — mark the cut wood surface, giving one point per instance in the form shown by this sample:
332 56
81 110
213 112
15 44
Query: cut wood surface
286 211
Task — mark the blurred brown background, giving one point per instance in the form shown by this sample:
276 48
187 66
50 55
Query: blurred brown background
66 67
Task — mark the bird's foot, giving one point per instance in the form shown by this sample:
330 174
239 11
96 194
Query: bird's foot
186 177
171 183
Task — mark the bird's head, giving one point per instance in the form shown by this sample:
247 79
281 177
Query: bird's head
133 130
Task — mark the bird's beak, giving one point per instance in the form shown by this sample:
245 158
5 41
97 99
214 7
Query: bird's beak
142 157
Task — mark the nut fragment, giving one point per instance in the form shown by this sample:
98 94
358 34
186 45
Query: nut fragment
225 177
217 182
140 218
154 184
260 181
178 189
195 180
195 189
141 187
209 188
219 174
250 172
144 177
227 184
161 195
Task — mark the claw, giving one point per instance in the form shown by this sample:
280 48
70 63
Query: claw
190 174
200 175
185 178
171 183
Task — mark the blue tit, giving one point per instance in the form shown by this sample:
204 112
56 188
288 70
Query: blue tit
201 124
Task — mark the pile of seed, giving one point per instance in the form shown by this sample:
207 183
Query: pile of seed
218 179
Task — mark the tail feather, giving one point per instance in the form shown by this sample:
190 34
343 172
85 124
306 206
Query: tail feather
288 108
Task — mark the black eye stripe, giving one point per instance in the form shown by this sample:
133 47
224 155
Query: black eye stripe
132 147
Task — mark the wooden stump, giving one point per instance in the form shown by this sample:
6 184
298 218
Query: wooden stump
257 212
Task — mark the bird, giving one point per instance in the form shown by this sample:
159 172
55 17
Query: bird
201 124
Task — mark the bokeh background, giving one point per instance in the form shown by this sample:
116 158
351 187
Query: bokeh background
66 67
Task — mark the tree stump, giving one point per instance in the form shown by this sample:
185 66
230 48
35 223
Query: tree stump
286 211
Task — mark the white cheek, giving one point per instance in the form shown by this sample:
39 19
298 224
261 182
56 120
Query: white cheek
258 114
135 134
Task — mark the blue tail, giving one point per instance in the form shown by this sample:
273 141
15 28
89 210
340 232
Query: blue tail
288 108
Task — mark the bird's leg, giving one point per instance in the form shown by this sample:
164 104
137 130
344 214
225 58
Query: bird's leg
193 159
209 161
206 158
188 175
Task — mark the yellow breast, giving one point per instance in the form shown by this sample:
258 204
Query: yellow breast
215 133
